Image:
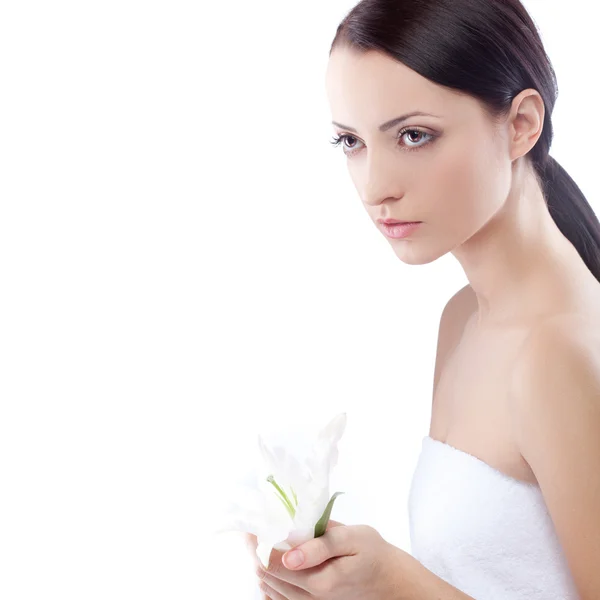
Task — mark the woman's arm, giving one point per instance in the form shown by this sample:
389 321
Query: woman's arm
426 585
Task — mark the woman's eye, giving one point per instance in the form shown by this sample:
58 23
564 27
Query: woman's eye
413 131
410 133
343 139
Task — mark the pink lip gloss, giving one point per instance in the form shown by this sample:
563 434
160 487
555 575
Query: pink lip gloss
399 230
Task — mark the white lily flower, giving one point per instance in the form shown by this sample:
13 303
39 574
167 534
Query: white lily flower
292 504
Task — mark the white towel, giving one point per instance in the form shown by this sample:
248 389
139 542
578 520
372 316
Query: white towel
487 534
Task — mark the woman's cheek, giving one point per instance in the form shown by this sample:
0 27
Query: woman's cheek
455 189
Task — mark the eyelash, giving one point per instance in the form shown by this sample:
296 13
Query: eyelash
337 140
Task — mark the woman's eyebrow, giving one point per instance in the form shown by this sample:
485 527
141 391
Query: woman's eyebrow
389 124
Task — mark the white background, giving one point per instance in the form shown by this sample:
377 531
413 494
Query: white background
184 263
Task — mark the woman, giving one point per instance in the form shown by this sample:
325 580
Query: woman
505 499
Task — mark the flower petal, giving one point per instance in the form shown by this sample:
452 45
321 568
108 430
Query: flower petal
260 509
315 496
285 467
263 551
324 453
257 510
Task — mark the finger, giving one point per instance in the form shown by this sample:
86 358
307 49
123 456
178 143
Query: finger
282 589
269 594
250 540
337 541
277 570
251 545
333 523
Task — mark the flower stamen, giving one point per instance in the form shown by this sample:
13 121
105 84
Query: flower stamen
286 501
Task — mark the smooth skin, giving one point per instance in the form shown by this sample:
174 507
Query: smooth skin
276 555
467 179
351 562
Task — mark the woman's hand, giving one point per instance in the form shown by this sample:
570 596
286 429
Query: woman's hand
252 543
349 562
275 559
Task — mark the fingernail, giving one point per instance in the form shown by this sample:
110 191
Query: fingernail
294 559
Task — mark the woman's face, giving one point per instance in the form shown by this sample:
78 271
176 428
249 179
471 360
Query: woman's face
452 171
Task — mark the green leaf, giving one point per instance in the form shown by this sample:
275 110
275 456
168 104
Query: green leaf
321 525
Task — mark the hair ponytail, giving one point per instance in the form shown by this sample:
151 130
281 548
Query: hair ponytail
572 213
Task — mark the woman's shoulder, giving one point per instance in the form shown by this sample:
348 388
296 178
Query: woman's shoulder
565 342
567 326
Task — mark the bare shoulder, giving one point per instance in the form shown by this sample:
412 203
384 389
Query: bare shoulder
556 410
560 353
456 313
559 337
452 323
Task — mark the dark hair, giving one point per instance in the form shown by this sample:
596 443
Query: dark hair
491 50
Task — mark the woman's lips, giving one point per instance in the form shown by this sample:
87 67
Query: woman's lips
399 230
